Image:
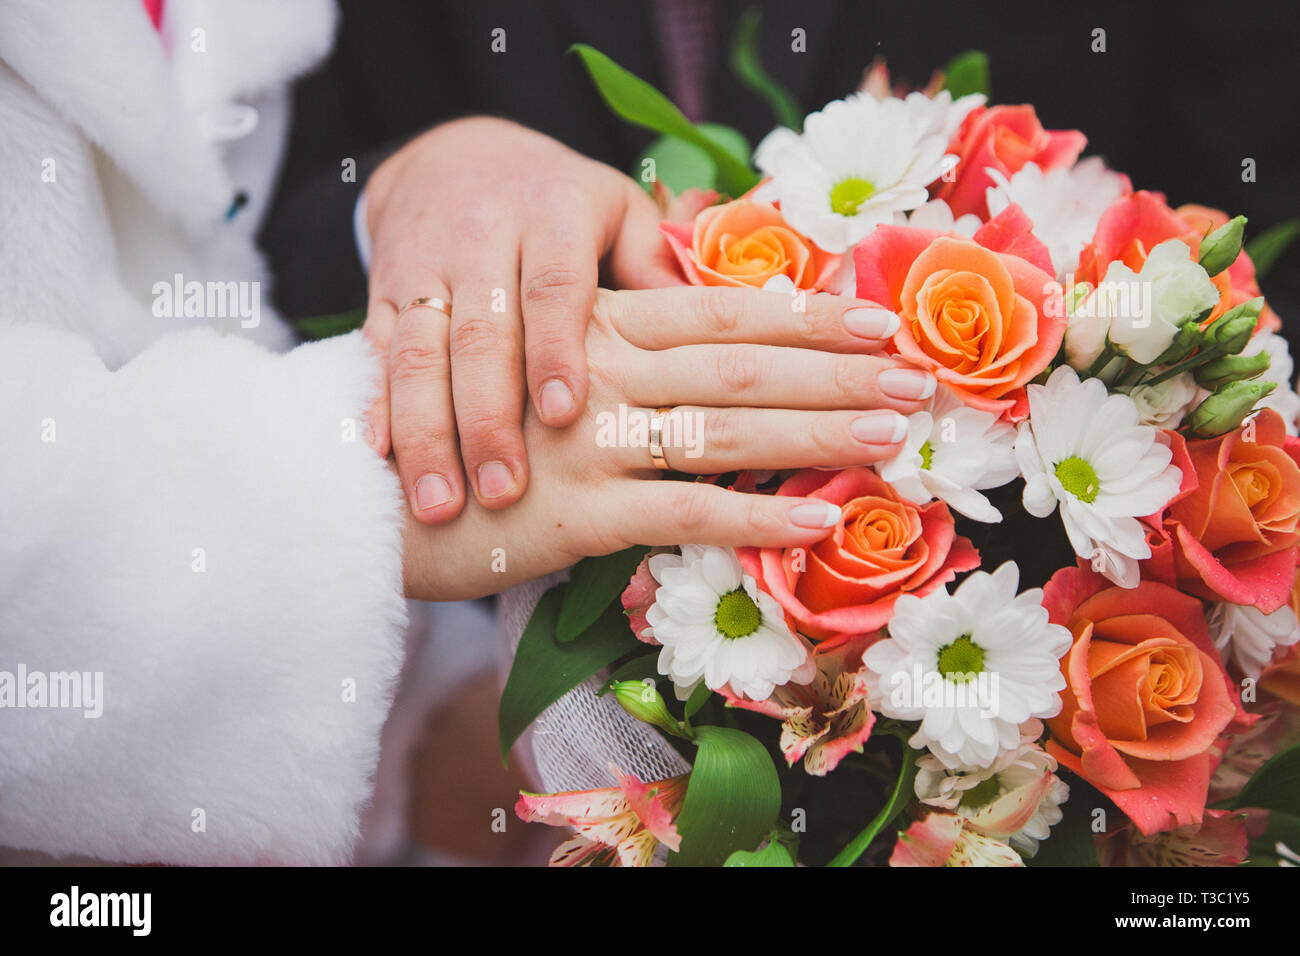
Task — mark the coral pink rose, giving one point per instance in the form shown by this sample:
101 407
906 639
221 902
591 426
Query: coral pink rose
846 584
746 243
1233 531
984 314
1146 696
1003 138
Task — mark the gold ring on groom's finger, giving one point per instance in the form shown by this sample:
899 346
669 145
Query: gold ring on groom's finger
428 302
657 437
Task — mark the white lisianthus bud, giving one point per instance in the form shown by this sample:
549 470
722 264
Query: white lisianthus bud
1164 405
1085 337
1145 309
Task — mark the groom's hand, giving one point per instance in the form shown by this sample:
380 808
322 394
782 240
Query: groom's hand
510 227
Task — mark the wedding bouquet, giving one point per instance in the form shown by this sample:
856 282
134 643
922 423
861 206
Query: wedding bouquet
1059 627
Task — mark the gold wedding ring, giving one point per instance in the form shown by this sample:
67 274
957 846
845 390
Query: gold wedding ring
428 302
657 437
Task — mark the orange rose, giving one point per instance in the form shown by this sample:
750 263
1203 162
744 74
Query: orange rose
746 243
846 584
1234 530
1146 696
1282 677
983 314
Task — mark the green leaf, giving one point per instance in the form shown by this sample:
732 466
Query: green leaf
732 798
638 102
898 799
967 73
638 668
774 854
1071 841
544 671
681 166
594 585
747 66
698 698
1268 246
1275 786
1282 828
326 326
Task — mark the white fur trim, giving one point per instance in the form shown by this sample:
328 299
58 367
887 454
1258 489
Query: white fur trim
223 690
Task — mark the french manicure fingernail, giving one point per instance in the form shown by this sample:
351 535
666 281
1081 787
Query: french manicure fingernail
879 428
555 400
815 514
909 384
494 479
871 323
431 491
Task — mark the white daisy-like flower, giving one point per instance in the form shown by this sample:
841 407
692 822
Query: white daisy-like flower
937 215
857 162
953 452
1064 205
1085 451
1281 368
1248 636
971 666
717 626
967 792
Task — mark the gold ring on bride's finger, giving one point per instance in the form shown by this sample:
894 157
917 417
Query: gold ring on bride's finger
428 302
657 437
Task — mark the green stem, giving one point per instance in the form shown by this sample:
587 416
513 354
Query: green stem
1200 358
858 845
1108 352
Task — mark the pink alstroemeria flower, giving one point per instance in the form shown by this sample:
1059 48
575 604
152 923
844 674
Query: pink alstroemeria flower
824 721
1218 840
615 826
950 839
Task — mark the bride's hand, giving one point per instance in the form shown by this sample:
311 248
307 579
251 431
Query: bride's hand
798 398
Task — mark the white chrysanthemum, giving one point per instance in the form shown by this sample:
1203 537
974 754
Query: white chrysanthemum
1281 368
717 626
971 666
857 162
1064 205
966 792
952 452
937 215
1084 450
1248 636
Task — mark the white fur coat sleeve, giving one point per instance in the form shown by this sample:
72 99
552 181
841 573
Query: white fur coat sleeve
206 528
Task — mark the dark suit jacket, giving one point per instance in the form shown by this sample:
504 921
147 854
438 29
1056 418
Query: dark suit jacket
1178 99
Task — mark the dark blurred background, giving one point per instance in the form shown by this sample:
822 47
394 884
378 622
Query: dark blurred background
1183 93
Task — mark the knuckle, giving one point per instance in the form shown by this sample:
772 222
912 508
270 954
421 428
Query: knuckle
760 519
551 285
476 335
739 369
415 357
723 431
486 434
694 511
722 310
826 437
850 378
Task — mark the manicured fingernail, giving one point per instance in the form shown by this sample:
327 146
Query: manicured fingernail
871 323
555 400
494 479
879 428
907 383
431 491
816 514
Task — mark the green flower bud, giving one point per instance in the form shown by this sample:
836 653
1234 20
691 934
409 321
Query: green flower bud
1220 248
1229 333
1228 407
642 700
1231 368
1186 339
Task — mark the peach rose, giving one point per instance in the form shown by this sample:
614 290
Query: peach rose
746 243
1146 696
846 584
1003 138
1233 531
984 314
